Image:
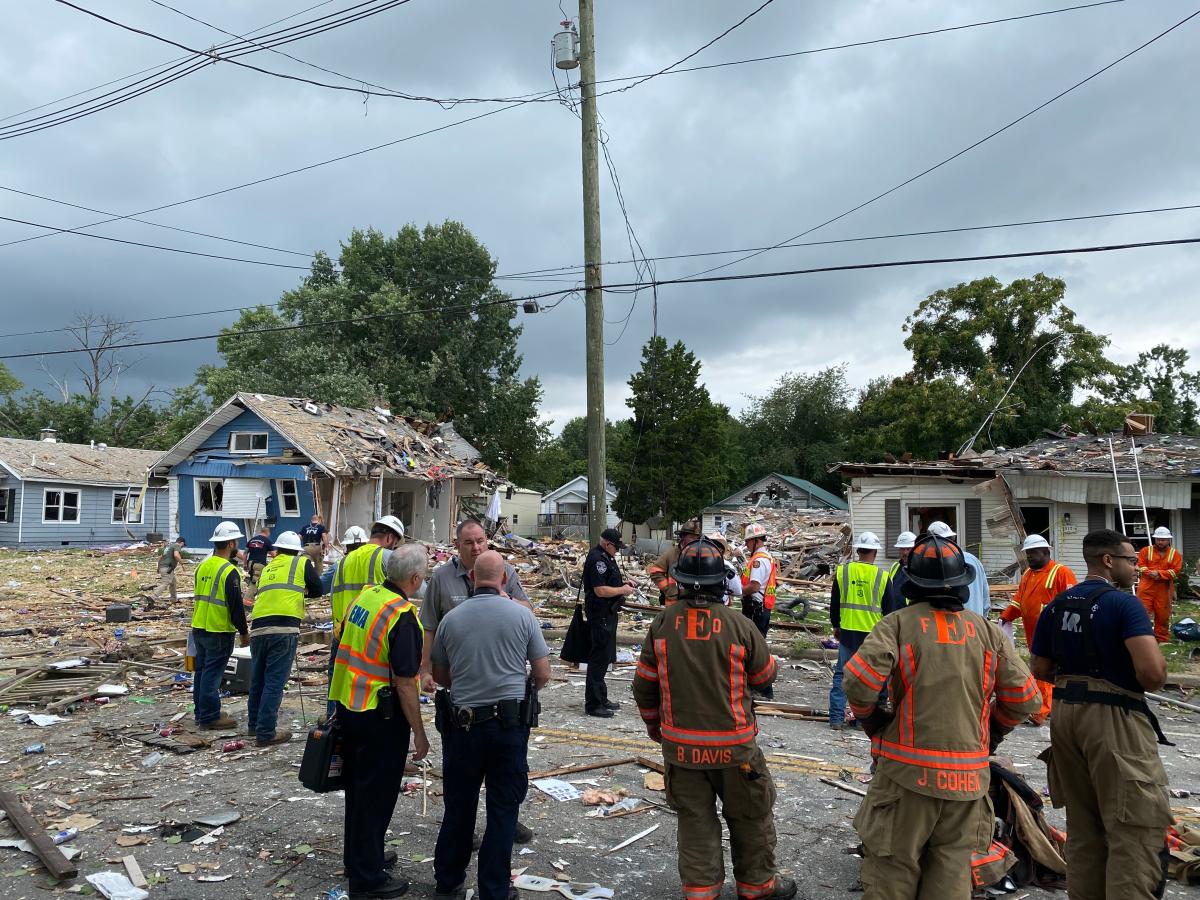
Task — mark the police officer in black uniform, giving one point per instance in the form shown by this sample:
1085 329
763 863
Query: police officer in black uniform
604 591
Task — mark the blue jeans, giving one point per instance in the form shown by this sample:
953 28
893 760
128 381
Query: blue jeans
271 658
497 757
837 696
213 649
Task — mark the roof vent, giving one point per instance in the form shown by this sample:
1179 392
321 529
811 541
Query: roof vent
1139 424
48 435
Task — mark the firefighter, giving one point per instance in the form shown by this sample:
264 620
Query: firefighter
697 661
861 595
759 579
1097 645
1044 580
1158 564
660 570
904 543
927 810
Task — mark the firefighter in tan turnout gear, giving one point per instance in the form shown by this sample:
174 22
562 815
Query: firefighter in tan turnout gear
699 662
927 808
660 570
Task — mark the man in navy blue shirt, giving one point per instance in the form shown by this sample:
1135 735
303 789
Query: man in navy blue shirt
1096 643
315 538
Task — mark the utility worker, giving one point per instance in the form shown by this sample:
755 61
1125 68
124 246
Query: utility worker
1042 582
360 568
926 810
1096 642
379 708
604 592
217 615
1158 565
482 648
660 570
698 659
904 543
980 599
759 580
274 632
171 559
861 595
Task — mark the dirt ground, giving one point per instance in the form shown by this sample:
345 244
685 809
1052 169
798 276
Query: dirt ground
287 841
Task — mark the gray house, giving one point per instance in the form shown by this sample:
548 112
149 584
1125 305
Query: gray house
773 491
76 495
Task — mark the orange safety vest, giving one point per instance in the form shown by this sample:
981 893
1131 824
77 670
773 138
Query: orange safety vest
772 579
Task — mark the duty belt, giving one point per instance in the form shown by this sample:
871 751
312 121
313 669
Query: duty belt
1077 692
466 716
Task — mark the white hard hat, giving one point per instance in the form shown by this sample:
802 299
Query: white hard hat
940 529
868 540
225 531
391 522
1161 532
355 534
906 541
754 530
1035 542
289 540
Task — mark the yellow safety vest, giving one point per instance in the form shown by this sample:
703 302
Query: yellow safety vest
860 595
361 568
772 579
281 588
210 612
363 667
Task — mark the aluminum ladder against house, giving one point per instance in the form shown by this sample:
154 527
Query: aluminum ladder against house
1131 499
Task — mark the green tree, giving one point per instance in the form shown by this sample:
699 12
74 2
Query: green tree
673 459
911 415
983 333
443 345
1160 383
9 383
799 426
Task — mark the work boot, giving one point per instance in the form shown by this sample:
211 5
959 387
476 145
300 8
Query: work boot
221 723
447 893
609 704
785 889
278 737
393 887
602 712
522 835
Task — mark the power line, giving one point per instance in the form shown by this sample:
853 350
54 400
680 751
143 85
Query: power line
117 240
709 279
966 149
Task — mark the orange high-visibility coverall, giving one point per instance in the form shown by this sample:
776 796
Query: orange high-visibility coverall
1156 587
1037 588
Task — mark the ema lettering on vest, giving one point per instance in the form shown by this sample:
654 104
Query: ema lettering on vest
963 782
700 624
358 616
702 756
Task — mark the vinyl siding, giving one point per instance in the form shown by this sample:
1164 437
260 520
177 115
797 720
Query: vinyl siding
95 526
196 530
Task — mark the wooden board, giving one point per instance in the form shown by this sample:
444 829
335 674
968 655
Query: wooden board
56 864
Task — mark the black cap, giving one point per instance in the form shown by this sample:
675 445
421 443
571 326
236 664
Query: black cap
613 537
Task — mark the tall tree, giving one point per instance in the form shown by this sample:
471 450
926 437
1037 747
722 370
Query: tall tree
1160 383
434 338
911 415
799 426
984 334
673 459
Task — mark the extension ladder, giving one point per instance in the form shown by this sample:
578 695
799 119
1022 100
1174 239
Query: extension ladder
1131 499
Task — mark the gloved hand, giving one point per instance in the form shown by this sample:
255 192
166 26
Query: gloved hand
999 732
876 721
654 732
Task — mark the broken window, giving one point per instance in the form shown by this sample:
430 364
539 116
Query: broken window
248 442
920 517
125 508
289 498
210 496
60 506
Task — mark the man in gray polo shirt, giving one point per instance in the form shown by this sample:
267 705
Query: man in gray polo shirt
451 583
480 653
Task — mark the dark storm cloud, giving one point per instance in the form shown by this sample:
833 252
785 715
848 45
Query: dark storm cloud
731 157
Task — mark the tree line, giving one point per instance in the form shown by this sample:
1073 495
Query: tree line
432 336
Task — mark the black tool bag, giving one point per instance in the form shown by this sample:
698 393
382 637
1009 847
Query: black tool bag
321 766
577 645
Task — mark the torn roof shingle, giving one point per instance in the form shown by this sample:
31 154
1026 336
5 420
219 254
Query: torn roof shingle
80 463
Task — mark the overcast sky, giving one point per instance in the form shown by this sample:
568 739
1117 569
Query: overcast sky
739 156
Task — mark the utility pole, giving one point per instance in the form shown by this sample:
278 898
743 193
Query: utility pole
594 303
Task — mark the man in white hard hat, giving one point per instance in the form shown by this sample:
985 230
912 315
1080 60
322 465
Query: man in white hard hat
363 566
904 543
759 580
284 584
1158 565
1044 580
862 594
217 615
980 599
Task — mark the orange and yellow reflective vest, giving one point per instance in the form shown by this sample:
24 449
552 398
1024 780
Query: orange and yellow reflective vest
768 589
362 667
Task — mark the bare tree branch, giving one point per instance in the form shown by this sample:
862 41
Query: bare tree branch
99 334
